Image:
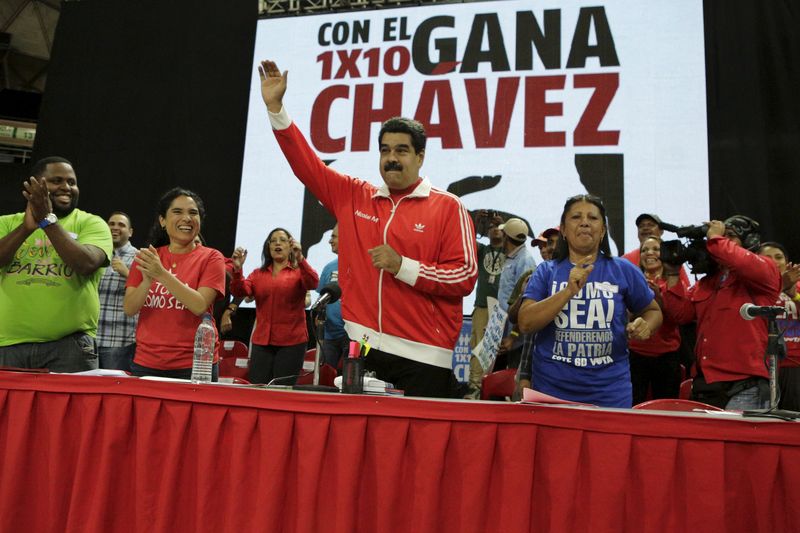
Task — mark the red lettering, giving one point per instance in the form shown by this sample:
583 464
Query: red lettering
399 54
326 58
373 57
537 108
320 115
348 66
479 111
587 132
447 128
364 115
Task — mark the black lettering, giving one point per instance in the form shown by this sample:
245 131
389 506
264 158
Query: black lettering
547 42
605 49
489 25
361 31
389 29
446 47
341 32
321 39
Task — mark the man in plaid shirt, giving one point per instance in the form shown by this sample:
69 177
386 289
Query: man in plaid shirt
116 332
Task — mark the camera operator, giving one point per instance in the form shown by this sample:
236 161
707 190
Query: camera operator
730 351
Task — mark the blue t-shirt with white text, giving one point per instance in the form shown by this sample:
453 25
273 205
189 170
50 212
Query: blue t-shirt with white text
582 355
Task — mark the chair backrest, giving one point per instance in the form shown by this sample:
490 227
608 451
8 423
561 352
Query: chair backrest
500 383
235 349
673 404
686 389
326 376
234 367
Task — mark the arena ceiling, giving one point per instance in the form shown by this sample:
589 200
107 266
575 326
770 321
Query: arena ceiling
26 38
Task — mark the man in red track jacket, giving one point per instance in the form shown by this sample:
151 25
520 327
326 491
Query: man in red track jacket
406 249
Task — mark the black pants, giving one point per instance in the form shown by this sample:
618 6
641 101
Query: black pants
270 362
660 374
789 383
415 378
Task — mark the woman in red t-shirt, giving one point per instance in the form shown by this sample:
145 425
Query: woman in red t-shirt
171 284
789 324
655 363
279 287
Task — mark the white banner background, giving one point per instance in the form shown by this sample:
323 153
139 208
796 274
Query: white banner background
659 110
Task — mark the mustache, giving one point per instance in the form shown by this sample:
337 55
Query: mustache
392 165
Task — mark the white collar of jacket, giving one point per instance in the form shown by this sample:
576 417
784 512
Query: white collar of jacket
423 190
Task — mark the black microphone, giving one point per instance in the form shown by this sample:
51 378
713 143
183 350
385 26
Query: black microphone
329 294
750 311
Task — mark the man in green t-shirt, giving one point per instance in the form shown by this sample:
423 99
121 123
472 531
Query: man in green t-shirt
51 259
491 258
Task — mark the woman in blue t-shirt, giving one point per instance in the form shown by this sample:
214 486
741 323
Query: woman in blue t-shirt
578 304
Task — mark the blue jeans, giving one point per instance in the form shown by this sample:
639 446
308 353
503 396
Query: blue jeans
178 373
117 358
73 353
333 350
747 399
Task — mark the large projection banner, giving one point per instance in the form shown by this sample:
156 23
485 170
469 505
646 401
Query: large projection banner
525 104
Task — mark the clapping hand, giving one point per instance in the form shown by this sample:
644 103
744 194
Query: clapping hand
38 198
790 277
150 264
238 258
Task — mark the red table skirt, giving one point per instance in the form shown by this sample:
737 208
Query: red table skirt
106 454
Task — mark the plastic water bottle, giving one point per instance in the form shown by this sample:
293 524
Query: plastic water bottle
204 341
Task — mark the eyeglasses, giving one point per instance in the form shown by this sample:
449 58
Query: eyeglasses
279 240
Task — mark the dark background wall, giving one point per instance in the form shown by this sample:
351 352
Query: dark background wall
146 95
143 96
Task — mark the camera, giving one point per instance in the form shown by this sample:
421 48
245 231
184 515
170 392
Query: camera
693 252
483 220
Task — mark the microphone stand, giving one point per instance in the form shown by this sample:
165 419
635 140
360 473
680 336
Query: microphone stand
323 316
774 350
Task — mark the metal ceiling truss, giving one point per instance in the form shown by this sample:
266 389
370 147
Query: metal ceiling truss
283 8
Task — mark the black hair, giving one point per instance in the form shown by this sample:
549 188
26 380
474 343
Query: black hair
562 248
746 229
641 245
123 213
158 234
40 166
266 257
405 125
773 244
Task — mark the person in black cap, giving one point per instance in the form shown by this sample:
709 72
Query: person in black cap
648 225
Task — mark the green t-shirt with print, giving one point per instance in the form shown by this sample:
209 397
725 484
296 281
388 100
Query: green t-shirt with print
41 298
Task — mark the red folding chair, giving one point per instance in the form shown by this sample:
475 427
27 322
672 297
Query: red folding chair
672 404
326 376
499 384
234 367
233 349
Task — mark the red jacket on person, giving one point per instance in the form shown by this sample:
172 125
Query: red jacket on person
728 347
417 313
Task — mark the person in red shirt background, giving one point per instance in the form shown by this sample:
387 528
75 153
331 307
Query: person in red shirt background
279 287
171 284
789 324
655 362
